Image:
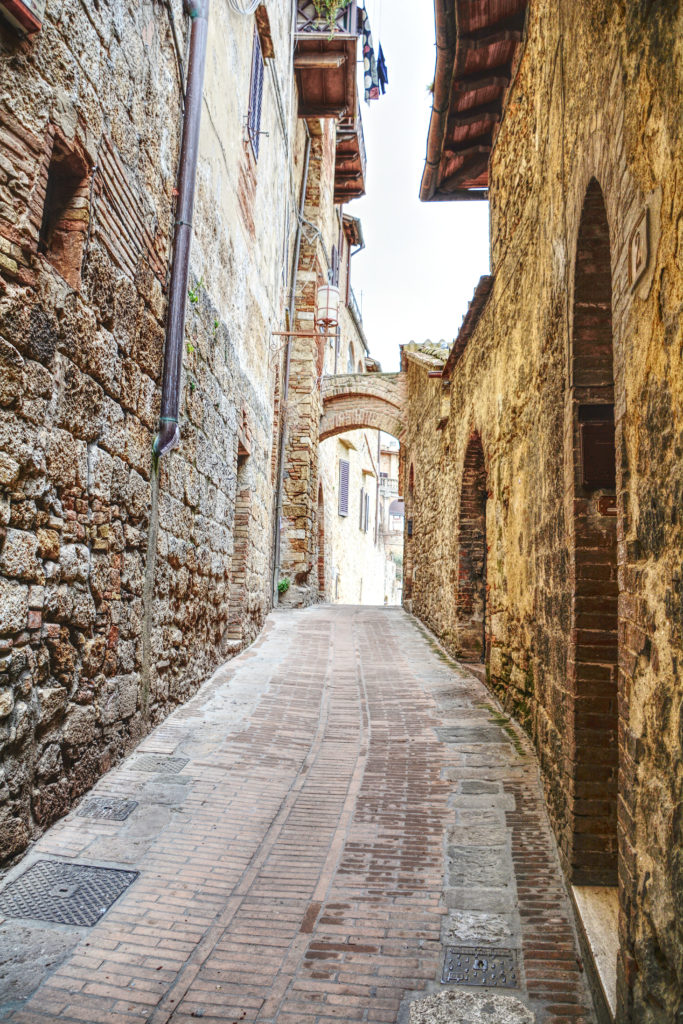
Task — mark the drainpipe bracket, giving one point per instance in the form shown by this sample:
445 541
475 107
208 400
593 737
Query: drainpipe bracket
197 8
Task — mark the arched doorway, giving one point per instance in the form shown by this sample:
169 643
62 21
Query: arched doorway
593 650
471 596
321 544
408 536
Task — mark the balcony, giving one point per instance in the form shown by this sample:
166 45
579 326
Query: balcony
325 61
387 485
349 171
354 310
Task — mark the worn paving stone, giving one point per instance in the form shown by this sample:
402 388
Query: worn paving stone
319 852
470 1008
478 928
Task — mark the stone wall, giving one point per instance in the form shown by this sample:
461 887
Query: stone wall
573 170
120 580
320 232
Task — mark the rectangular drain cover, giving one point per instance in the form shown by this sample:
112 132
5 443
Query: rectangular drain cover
64 893
159 763
480 965
110 808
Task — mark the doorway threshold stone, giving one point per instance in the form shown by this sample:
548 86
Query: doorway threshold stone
454 1007
598 910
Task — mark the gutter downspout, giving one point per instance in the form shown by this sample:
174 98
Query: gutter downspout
285 382
169 430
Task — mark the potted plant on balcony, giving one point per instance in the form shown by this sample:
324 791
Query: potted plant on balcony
328 10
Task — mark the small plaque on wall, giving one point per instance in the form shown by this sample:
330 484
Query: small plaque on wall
26 15
638 250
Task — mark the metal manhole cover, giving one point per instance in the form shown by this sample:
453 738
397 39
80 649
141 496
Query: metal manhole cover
480 965
64 893
159 763
110 808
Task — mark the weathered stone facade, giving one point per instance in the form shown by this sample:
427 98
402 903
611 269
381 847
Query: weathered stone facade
539 544
123 583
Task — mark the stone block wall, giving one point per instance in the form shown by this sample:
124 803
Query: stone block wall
299 555
601 699
117 576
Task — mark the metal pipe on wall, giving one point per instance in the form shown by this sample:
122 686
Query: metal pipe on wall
169 430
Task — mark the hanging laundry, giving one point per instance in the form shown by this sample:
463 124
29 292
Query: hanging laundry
382 73
371 78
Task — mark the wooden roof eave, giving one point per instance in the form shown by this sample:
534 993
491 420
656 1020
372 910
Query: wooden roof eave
451 50
444 18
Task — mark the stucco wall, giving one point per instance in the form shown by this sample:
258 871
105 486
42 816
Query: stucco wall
597 95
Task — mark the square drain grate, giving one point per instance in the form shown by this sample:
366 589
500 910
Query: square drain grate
109 808
159 763
480 965
64 893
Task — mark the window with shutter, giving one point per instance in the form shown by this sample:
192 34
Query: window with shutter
343 487
255 95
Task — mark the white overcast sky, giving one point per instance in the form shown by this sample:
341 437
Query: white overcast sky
422 260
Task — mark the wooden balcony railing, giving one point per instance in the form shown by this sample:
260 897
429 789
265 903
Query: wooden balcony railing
325 61
308 19
351 161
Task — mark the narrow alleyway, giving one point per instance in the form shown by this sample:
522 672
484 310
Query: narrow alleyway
342 805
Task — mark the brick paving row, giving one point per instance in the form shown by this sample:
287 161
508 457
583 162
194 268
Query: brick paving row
297 870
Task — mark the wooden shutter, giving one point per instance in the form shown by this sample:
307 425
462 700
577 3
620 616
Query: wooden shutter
343 487
367 511
361 508
255 95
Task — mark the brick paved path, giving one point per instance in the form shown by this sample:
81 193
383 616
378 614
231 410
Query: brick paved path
350 804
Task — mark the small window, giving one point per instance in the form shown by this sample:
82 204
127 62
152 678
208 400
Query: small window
350 362
343 487
65 213
255 95
361 517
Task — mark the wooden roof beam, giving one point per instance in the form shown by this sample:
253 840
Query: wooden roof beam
509 30
469 148
319 60
492 79
471 168
486 113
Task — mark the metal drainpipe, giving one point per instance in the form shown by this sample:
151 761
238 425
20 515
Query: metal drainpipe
285 383
169 431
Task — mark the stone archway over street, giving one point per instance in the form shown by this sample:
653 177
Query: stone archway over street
356 400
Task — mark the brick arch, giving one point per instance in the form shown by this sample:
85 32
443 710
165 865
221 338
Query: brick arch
471 593
408 554
352 401
592 664
322 590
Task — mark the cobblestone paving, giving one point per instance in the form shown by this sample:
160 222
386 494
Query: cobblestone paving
353 803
